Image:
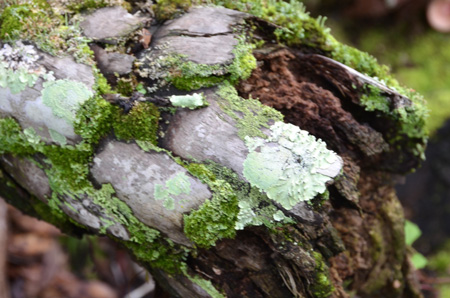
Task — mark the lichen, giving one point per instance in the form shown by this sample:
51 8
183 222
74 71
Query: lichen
175 186
192 102
290 165
18 67
205 285
65 97
298 29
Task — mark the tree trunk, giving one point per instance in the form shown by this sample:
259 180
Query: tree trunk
251 163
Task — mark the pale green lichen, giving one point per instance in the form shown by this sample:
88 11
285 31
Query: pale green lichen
18 68
175 186
291 165
65 97
192 102
205 285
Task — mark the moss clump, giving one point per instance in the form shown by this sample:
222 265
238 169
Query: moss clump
374 100
168 9
298 29
19 21
13 139
93 119
251 116
322 286
215 219
175 69
141 123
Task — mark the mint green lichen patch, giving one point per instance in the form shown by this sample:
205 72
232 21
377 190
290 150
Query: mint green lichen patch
65 97
175 186
18 68
192 102
205 285
16 80
57 137
290 165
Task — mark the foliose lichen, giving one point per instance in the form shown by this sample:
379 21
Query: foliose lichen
192 102
18 67
65 97
299 29
291 165
175 186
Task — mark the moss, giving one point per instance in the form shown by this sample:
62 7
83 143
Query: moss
298 29
216 218
187 75
235 205
168 9
322 286
250 115
177 70
143 117
13 140
374 100
15 19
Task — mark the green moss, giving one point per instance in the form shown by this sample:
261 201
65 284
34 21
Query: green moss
250 115
93 119
374 100
298 29
187 75
235 205
143 117
15 18
13 140
177 70
322 286
168 9
125 86
216 218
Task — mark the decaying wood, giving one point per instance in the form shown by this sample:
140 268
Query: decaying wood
354 241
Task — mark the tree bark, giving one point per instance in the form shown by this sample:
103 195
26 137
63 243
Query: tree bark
209 188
